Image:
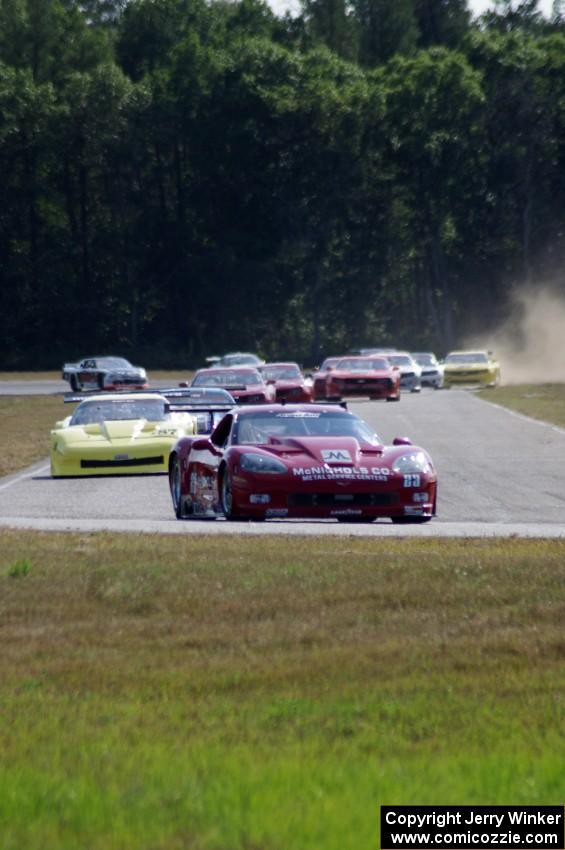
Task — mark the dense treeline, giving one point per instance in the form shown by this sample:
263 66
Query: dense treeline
182 177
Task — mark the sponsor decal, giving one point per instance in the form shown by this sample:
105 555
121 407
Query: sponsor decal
420 497
346 512
412 480
336 455
350 473
259 498
276 512
413 510
298 414
121 457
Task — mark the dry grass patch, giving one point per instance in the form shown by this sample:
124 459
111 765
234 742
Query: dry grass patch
541 401
26 422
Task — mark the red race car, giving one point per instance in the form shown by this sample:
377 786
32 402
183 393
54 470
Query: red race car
306 461
319 378
288 381
245 384
355 377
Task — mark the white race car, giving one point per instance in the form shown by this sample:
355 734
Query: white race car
410 372
432 370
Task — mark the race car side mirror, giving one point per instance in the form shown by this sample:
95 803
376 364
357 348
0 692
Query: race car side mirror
401 441
205 445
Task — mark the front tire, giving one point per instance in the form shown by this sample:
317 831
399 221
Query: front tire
393 397
100 381
227 498
74 384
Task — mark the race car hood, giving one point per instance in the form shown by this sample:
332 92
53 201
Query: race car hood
405 368
467 367
332 451
119 430
369 373
125 373
245 388
288 384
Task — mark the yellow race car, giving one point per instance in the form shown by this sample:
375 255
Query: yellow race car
471 367
129 433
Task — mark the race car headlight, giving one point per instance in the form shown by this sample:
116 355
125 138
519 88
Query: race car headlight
261 463
413 462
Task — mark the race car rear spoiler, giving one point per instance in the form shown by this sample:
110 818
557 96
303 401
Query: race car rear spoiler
207 415
188 394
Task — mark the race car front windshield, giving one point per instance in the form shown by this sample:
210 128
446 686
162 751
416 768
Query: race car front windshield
330 361
92 412
114 363
399 359
469 357
260 428
228 378
369 364
240 360
425 359
280 373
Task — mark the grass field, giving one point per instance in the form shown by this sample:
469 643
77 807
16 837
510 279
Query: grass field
246 694
26 422
541 401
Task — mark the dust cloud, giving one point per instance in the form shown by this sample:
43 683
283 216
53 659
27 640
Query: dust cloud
530 344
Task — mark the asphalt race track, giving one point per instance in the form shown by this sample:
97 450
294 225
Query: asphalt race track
500 474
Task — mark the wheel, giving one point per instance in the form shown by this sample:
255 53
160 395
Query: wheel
100 380
175 483
227 498
416 389
410 520
393 397
74 384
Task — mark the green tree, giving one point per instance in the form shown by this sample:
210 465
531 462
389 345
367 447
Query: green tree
441 22
331 23
384 29
434 115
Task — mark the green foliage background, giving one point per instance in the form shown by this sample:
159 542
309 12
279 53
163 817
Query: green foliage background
182 177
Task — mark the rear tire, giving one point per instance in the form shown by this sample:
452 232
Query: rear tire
175 483
393 397
74 384
100 381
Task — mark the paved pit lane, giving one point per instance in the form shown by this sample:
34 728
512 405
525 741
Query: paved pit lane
499 473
